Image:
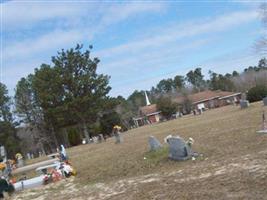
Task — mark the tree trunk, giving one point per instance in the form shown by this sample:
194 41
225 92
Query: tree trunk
65 137
54 138
85 131
80 130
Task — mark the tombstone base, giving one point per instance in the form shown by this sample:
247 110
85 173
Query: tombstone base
180 158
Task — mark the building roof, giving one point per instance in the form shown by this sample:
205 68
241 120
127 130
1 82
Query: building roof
148 110
206 95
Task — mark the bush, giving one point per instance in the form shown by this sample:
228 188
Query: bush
74 137
9 139
167 107
109 120
257 93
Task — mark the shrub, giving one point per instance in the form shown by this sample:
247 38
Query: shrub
74 137
167 107
257 93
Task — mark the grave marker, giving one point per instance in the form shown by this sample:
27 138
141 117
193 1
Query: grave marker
264 101
178 149
244 104
264 125
154 144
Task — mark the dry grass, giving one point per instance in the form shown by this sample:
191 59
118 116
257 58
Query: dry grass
233 167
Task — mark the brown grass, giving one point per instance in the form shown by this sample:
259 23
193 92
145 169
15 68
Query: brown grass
233 165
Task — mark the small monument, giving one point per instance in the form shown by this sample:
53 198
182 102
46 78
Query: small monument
117 134
264 101
264 125
154 144
100 138
179 149
244 104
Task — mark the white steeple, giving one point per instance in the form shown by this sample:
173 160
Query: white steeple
147 100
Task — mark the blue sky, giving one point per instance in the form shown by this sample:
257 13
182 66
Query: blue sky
138 43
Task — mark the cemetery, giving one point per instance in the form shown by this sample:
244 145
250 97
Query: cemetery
133 100
212 156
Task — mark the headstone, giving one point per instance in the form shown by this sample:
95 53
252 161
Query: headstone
154 144
264 101
2 151
20 162
100 138
95 139
28 156
178 149
118 138
244 104
3 156
264 125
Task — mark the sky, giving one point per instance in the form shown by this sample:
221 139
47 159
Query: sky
138 42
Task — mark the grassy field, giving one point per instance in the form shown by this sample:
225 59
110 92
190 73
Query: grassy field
233 165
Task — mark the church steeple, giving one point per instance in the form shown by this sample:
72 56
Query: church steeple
147 100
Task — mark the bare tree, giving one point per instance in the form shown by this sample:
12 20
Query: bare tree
250 79
261 44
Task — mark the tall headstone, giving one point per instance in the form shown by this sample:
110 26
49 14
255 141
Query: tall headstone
244 104
264 101
154 144
3 153
178 149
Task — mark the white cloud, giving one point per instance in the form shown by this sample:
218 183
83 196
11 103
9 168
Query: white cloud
23 14
18 14
237 60
51 41
31 13
120 12
146 60
171 34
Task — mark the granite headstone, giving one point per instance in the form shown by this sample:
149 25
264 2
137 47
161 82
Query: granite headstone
264 101
244 104
178 149
154 144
